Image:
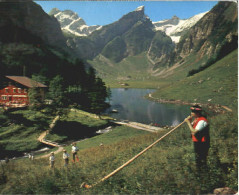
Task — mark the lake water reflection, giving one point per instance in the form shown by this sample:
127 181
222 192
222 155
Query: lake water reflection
131 105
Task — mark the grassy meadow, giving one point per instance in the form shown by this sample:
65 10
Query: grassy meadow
167 168
20 129
136 66
217 84
76 125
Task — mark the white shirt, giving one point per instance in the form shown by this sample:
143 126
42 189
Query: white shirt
201 125
74 149
65 155
51 158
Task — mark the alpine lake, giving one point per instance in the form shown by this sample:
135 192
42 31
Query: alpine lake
131 105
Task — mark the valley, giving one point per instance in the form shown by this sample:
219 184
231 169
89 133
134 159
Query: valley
144 73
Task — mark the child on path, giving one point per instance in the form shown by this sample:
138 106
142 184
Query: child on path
52 160
66 157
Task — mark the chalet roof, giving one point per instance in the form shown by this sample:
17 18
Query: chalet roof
26 81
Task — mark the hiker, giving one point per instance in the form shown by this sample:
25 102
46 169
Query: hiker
31 156
200 136
74 151
66 157
52 160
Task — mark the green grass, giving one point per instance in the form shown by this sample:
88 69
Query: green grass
85 118
218 83
190 62
76 125
167 168
135 67
21 129
117 134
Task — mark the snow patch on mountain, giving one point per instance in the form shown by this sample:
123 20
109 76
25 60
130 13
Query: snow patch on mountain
63 16
175 26
140 8
72 23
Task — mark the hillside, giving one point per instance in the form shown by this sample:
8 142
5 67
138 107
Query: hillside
167 168
25 21
217 84
131 68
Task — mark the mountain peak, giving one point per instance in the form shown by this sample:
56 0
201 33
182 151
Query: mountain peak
72 23
175 17
54 11
175 26
140 8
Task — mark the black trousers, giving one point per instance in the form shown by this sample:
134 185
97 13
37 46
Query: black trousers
201 153
66 162
74 156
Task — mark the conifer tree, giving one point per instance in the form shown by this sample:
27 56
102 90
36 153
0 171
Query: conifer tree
35 98
57 91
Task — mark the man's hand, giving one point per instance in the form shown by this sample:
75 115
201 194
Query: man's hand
188 119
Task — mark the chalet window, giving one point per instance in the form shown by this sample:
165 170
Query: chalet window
6 90
25 90
4 97
14 90
19 90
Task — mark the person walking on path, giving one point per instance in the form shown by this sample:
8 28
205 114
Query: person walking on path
52 160
200 136
74 151
31 156
66 157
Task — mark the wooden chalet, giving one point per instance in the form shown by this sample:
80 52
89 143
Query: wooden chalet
14 90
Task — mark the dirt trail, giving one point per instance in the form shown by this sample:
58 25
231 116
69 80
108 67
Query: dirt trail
47 155
140 126
42 136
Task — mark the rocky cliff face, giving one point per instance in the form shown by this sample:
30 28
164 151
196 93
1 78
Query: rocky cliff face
136 40
176 27
25 20
160 49
214 30
129 36
213 36
92 45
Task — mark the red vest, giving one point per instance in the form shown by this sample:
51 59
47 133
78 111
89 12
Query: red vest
195 122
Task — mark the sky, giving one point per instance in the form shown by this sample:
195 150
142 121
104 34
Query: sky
107 12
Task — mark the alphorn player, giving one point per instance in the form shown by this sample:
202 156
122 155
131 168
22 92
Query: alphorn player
199 127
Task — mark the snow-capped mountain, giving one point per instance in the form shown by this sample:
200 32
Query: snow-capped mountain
175 26
72 23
